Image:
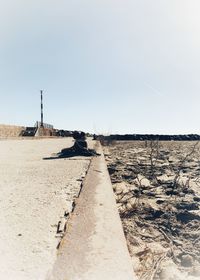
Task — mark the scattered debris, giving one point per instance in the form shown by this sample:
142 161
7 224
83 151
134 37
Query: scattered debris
157 188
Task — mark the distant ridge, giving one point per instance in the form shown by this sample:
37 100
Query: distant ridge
153 137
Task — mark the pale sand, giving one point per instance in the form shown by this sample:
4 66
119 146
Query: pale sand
34 194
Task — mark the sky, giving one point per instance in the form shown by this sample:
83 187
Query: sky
106 66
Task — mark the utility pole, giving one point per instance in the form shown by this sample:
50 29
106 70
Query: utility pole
41 124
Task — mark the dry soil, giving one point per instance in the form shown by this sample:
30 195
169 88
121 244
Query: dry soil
157 188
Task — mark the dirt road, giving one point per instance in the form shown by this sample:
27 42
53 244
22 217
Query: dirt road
34 195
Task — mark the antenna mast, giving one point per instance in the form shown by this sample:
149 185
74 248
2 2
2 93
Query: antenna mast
41 124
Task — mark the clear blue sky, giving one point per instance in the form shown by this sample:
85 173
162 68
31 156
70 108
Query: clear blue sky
106 66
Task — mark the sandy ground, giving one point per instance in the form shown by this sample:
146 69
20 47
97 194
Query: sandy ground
157 187
34 195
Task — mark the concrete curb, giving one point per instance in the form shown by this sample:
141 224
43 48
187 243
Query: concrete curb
94 247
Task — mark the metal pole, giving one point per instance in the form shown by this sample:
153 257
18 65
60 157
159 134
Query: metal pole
42 124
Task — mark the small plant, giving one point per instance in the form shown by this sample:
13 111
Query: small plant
154 154
180 168
106 140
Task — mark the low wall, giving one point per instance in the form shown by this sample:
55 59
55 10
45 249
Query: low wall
10 130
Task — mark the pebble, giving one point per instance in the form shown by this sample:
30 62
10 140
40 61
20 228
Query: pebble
178 242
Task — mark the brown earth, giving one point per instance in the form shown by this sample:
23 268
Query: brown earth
10 130
157 188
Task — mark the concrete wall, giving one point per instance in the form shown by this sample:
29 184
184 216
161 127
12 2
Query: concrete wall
10 130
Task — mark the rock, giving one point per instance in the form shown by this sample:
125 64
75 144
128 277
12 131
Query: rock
154 214
160 201
186 217
170 272
186 261
137 192
196 198
145 182
187 191
181 194
111 170
149 193
171 191
129 206
187 206
178 242
120 188
127 176
132 202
